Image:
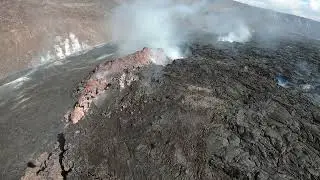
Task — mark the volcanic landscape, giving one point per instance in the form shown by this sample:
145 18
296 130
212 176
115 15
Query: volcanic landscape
243 104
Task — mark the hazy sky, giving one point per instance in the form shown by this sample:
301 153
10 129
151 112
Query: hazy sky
305 8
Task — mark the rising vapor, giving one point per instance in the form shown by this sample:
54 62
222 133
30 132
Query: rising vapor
167 25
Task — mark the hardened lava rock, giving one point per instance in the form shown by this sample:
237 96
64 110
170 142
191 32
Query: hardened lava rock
218 114
100 79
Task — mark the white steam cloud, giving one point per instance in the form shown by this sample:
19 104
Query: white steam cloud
167 25
145 23
241 34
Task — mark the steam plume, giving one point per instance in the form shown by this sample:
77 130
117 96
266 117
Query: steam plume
166 25
169 24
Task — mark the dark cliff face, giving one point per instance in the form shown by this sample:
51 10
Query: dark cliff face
221 113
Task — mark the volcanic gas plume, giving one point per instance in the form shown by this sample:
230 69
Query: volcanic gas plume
168 25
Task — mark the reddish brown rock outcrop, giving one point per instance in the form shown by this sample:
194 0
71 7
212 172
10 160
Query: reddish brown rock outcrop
101 78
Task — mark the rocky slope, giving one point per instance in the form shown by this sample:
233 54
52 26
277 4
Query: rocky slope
218 114
228 110
37 31
30 29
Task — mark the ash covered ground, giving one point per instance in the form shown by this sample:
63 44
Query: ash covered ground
247 110
218 114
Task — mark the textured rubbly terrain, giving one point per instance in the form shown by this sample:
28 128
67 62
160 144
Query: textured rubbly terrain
226 111
102 77
218 114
